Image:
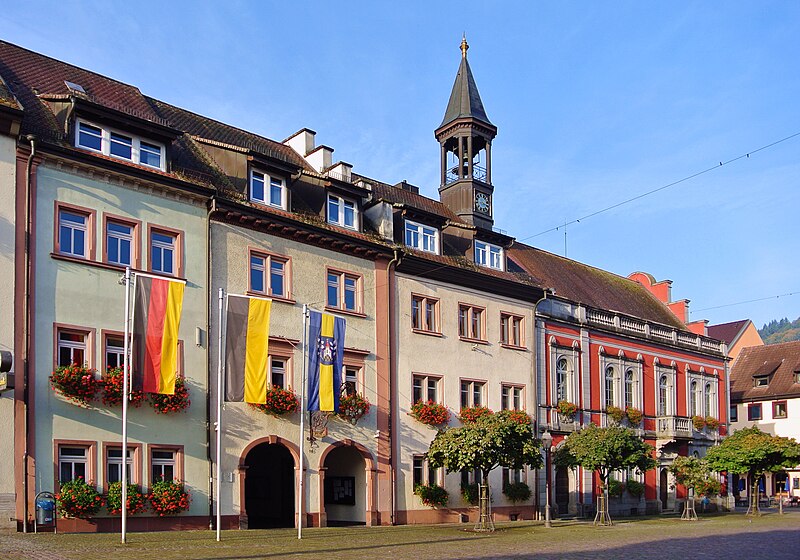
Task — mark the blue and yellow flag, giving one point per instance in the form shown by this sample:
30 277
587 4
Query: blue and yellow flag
326 351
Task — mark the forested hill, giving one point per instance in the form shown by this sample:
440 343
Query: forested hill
784 330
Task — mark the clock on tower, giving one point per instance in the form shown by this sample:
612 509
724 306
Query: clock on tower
482 203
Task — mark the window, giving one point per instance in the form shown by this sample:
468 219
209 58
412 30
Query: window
470 477
350 380
562 371
277 372
511 330
119 145
424 238
609 386
424 313
269 275
72 347
663 392
425 388
72 462
344 291
342 212
512 476
114 351
163 465
734 413
779 409
694 399
267 190
754 412
488 255
423 473
74 233
472 393
511 397
761 381
120 243
797 377
470 322
164 252
708 399
629 388
114 465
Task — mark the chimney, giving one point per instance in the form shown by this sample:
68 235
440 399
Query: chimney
406 186
301 141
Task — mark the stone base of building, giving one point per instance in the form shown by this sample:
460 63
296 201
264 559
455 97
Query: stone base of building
463 515
136 524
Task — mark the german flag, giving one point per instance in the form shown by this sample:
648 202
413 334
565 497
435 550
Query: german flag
246 349
157 306
325 357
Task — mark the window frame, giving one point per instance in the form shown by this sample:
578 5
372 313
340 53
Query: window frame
751 408
775 405
104 336
136 239
472 384
733 413
425 327
471 321
421 233
90 230
91 460
426 471
269 257
438 383
281 349
482 255
177 258
268 178
341 202
505 329
340 290
512 389
106 141
88 341
178 474
135 450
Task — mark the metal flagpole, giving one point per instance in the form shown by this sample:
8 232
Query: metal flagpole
219 412
302 423
125 390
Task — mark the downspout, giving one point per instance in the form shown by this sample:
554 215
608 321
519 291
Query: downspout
535 385
392 393
212 208
729 477
27 327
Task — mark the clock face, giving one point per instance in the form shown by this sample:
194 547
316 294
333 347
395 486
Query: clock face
482 203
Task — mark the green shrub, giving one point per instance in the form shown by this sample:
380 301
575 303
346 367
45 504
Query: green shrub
517 492
432 495
470 493
635 488
615 488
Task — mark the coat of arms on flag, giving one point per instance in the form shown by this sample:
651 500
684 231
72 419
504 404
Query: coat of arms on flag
326 334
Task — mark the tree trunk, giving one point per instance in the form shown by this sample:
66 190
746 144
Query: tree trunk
602 516
485 522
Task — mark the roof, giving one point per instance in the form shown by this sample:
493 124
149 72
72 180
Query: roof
397 195
6 97
782 360
592 286
728 332
465 101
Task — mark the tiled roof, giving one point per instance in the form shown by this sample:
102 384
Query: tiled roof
727 332
782 359
465 101
397 195
591 286
6 97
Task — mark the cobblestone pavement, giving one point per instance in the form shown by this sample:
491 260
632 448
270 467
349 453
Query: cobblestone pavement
731 537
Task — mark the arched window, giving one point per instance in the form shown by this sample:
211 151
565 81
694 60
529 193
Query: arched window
609 386
561 380
693 399
663 387
628 388
709 401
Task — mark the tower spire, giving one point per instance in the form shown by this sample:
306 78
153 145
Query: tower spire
464 46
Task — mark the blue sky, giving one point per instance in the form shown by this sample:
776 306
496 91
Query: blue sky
595 102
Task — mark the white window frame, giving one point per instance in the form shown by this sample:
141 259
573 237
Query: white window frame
341 203
72 346
265 268
163 246
669 373
162 462
268 181
115 463
73 460
512 397
428 474
118 238
105 144
489 255
283 369
74 227
424 238
426 382
473 387
117 351
572 356
622 365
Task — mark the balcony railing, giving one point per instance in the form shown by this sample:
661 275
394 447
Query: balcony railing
478 173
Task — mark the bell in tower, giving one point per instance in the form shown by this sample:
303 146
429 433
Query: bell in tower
465 136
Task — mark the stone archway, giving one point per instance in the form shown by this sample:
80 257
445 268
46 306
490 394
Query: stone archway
268 480
347 485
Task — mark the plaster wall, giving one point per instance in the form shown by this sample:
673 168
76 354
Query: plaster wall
89 296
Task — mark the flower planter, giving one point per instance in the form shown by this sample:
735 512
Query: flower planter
177 402
168 497
430 413
353 407
75 383
280 401
112 385
472 413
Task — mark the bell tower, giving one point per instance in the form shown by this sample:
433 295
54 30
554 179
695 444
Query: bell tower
465 136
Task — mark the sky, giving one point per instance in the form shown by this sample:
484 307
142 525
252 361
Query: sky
595 103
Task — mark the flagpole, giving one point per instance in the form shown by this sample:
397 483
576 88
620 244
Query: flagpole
302 423
219 412
125 390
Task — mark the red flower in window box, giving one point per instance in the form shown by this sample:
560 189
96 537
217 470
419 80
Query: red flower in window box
112 389
78 499
518 416
472 413
430 413
169 497
135 499
634 415
75 383
177 402
352 407
712 423
280 401
567 409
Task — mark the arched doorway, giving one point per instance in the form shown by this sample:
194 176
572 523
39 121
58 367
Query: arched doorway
347 480
562 490
269 498
663 489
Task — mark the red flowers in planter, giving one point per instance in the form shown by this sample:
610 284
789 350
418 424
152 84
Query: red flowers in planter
76 383
135 500
178 402
634 415
430 413
78 499
352 407
112 389
279 401
518 416
169 497
567 409
472 413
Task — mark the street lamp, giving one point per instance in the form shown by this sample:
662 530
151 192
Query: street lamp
547 441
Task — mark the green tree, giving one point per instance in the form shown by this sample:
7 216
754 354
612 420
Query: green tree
753 452
605 450
695 474
504 439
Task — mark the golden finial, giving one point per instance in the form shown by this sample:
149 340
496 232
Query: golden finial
464 46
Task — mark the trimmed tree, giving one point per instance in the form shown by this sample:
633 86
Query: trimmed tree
753 452
488 442
697 476
605 450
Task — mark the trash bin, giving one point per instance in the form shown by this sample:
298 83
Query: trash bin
45 509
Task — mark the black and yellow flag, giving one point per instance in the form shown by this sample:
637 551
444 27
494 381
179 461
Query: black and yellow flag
246 349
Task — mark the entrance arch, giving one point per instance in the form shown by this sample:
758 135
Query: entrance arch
267 493
562 490
663 488
347 485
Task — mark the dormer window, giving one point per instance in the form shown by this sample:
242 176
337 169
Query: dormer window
342 212
760 380
267 189
117 144
488 255
424 238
